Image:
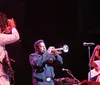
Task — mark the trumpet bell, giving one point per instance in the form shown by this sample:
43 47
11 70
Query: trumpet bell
65 48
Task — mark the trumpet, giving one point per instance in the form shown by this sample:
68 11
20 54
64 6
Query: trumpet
65 48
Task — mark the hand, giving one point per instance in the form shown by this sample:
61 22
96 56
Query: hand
53 51
50 49
11 22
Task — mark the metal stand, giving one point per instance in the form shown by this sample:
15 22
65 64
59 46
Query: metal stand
89 59
89 44
70 73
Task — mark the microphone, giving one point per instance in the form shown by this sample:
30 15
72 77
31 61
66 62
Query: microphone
88 44
12 60
65 69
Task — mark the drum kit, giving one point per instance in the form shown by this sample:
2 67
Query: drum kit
66 81
70 80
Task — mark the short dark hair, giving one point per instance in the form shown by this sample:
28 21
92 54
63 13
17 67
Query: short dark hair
37 42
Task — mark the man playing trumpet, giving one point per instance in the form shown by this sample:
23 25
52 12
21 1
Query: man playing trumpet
42 62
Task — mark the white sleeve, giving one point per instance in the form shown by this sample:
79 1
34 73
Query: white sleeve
9 38
97 63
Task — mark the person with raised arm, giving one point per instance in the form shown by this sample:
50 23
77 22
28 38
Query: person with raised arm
7 36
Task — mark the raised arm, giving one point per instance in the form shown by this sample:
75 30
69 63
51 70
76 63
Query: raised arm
56 54
59 59
9 38
94 54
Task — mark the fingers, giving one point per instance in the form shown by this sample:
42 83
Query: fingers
53 51
11 22
50 49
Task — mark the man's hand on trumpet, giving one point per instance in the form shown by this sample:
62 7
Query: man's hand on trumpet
53 51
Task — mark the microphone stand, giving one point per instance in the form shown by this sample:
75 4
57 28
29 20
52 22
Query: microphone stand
89 44
69 72
89 59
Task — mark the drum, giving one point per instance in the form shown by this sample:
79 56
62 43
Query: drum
65 81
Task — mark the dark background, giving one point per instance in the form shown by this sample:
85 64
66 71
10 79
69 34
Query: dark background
57 22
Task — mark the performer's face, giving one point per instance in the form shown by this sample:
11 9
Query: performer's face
41 47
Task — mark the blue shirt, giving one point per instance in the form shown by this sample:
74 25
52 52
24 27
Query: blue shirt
37 60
